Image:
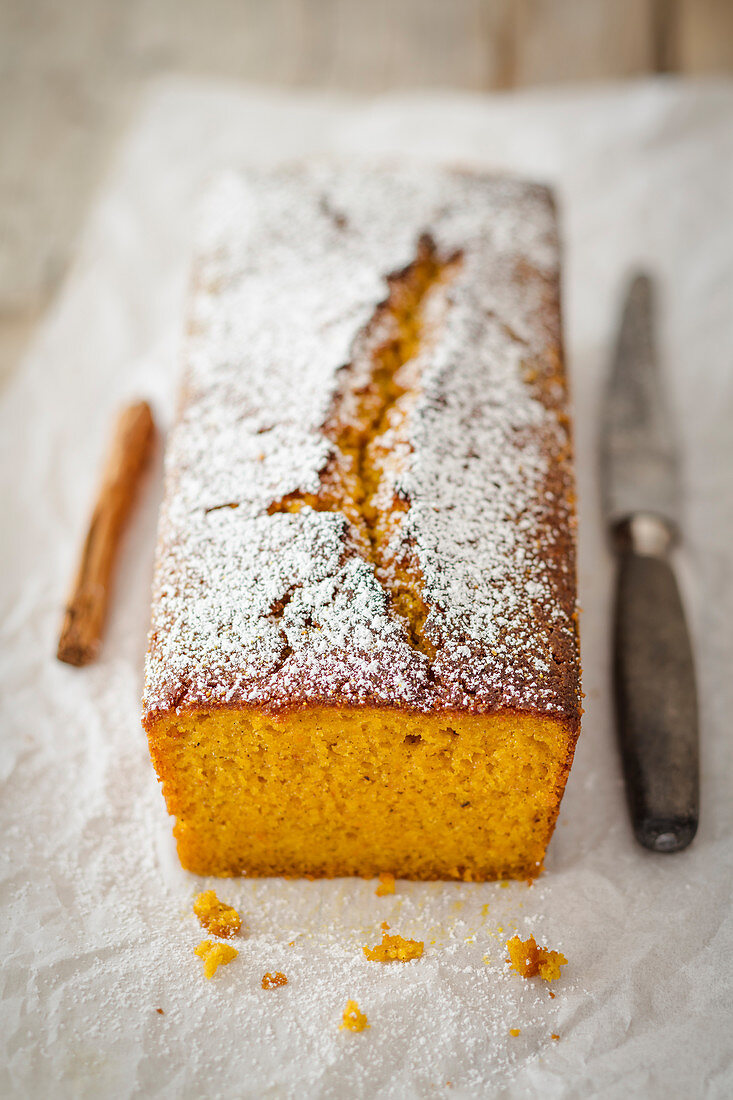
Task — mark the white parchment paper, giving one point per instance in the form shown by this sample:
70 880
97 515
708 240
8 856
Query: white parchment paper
97 931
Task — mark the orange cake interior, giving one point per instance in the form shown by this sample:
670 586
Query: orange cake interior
329 792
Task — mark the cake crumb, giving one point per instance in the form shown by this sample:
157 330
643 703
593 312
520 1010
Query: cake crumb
384 926
531 961
555 1036
272 981
216 917
552 995
394 949
514 1031
354 1019
160 1011
215 955
386 884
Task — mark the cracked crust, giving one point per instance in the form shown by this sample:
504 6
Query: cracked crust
369 495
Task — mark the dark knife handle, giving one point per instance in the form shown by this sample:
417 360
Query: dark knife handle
655 694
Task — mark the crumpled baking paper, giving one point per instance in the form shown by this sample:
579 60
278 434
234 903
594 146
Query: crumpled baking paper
97 932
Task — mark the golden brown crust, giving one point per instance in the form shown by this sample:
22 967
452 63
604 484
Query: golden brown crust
399 532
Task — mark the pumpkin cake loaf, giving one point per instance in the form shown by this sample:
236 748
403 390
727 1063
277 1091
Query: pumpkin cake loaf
363 655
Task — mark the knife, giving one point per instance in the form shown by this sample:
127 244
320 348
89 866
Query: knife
653 671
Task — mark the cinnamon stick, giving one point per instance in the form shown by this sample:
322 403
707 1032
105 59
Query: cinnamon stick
86 610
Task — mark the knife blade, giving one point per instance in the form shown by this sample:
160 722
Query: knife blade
653 671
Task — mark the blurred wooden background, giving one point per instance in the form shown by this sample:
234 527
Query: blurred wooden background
70 70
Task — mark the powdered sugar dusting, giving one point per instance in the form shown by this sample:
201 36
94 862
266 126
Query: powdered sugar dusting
277 610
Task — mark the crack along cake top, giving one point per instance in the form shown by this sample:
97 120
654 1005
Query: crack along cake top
369 493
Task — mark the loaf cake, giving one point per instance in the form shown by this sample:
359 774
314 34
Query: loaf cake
363 655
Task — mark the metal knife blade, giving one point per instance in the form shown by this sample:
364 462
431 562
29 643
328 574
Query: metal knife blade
654 677
639 466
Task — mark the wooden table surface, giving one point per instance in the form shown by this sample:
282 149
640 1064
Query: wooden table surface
70 72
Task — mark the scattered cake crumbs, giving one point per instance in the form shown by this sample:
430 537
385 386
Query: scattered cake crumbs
384 926
531 961
215 955
394 949
216 917
514 1031
386 884
354 1020
272 981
